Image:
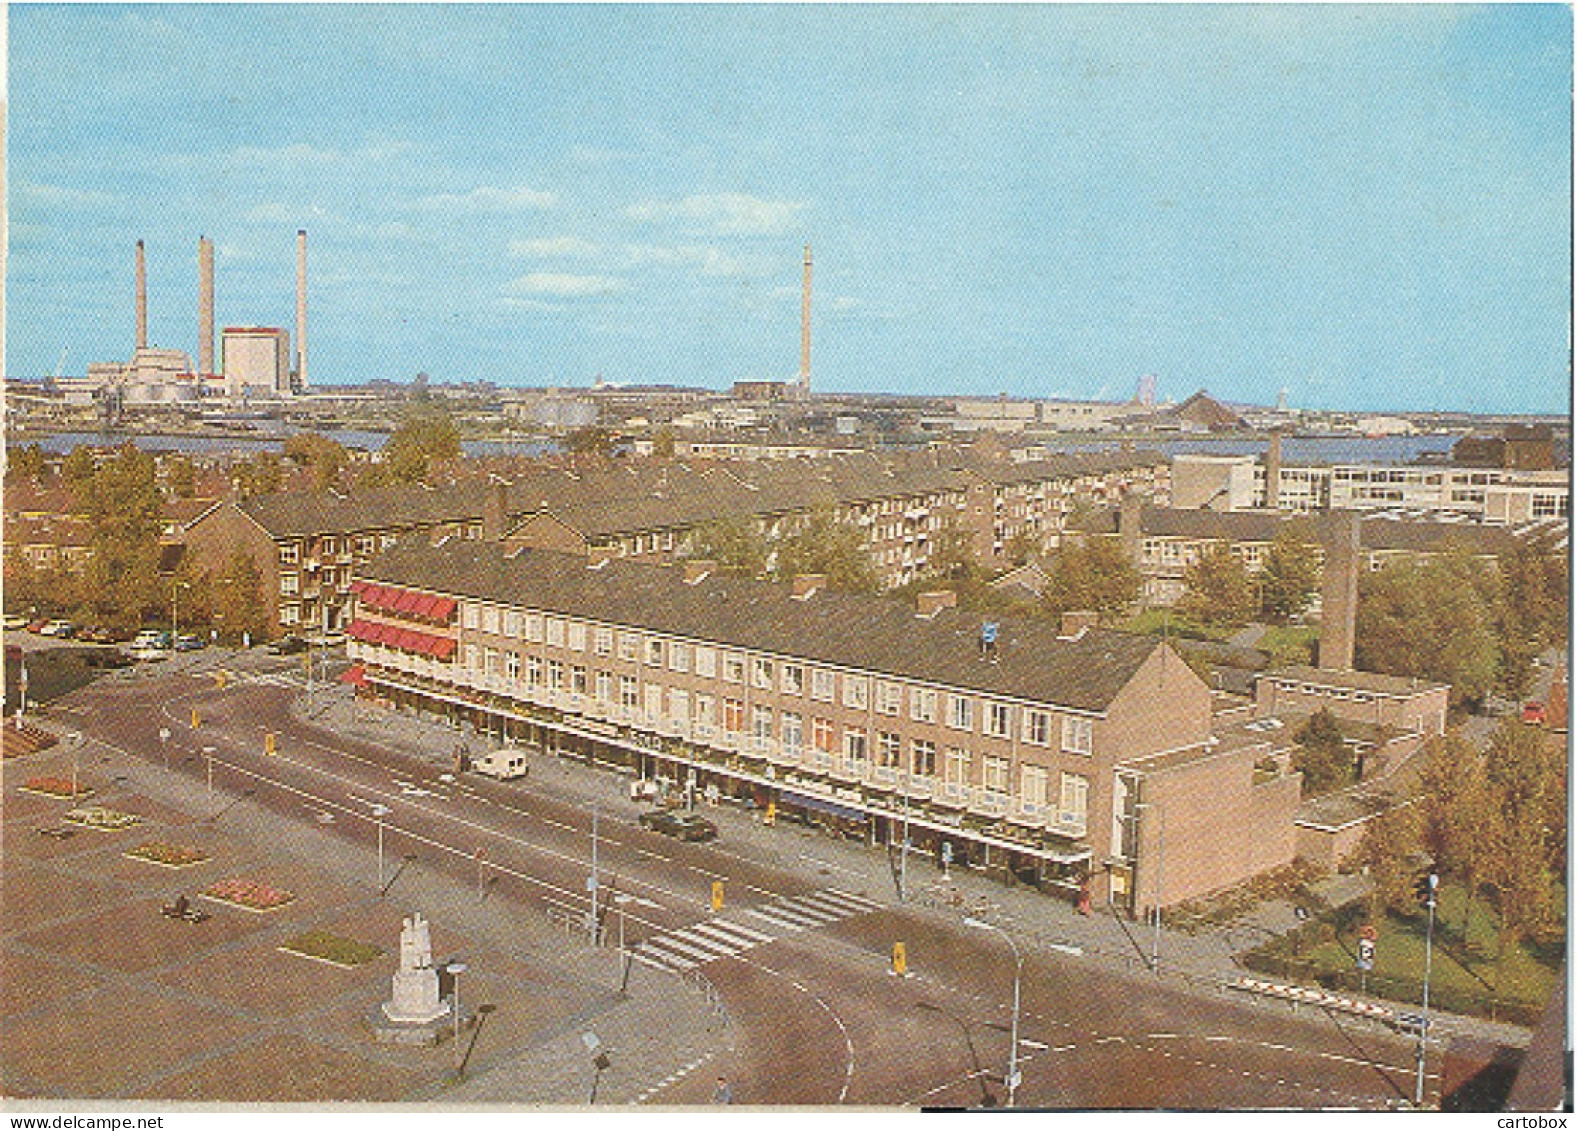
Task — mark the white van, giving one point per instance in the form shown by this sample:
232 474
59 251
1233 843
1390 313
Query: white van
504 763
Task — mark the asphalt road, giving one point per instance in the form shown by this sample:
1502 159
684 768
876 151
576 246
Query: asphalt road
801 959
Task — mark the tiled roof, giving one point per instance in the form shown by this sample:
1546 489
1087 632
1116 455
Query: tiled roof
1375 533
863 633
1373 682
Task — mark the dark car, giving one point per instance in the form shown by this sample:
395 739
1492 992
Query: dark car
684 826
189 642
287 646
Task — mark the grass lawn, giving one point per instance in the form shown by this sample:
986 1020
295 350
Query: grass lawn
1290 643
1156 622
333 948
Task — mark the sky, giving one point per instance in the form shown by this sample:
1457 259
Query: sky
1368 206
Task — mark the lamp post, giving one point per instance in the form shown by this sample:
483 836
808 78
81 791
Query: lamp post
1160 865
591 881
208 757
455 970
75 740
1018 977
1423 1030
175 593
379 812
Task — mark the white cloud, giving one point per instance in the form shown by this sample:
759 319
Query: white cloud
60 196
295 155
553 247
488 199
725 213
563 286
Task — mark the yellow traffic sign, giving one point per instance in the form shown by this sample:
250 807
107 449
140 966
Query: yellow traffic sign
197 720
900 960
220 677
270 743
717 895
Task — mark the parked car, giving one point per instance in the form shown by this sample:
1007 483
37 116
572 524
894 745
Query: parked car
1535 713
684 826
287 646
150 644
15 622
38 625
63 629
189 642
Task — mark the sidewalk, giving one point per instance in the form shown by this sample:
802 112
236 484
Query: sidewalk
1204 960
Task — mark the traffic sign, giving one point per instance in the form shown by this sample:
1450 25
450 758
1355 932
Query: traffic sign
1366 953
900 960
270 743
1368 932
717 895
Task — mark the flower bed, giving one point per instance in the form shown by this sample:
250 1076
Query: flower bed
105 820
249 895
167 855
336 950
54 787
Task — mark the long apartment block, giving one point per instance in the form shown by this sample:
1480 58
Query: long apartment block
1069 757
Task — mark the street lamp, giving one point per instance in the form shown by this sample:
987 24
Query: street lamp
175 592
1018 977
1423 1030
208 757
75 741
1160 865
379 812
455 970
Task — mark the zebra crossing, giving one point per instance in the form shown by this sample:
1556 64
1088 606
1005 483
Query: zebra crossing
685 949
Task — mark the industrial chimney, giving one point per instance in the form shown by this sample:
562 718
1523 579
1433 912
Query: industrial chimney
142 299
1339 593
301 310
1273 472
804 329
205 307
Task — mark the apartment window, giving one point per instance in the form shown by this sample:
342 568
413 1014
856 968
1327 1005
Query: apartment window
761 673
960 712
533 671
1074 803
290 614
468 615
889 749
704 710
679 704
705 662
602 642
889 698
733 715
821 685
1076 734
994 775
556 675
289 584
605 687
653 696
629 692
629 645
512 666
490 661
1032 782
793 677
922 705
854 749
654 653
555 631
1037 727
821 734
577 636
290 555
793 732
577 679
490 621
534 627
330 546
923 758
998 720
678 657
733 668
473 657
512 623
761 721
955 766
856 691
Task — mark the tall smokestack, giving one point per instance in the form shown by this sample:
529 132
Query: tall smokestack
804 328
1339 592
301 309
205 306
1273 472
142 299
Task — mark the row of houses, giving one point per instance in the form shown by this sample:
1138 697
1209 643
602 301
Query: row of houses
900 503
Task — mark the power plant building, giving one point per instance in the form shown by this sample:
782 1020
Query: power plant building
256 361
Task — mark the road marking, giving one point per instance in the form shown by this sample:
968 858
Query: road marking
692 949
804 919
654 957
729 929
782 924
819 902
707 872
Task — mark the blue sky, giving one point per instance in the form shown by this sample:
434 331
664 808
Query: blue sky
1366 205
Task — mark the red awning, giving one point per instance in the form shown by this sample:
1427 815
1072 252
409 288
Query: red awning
357 586
383 633
443 609
361 630
408 601
443 647
356 676
410 641
424 605
372 595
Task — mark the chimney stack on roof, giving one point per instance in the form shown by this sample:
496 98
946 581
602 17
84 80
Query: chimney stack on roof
927 605
495 510
1075 623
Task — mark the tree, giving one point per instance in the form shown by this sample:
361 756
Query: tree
734 544
420 438
952 557
663 443
1219 590
323 457
79 467
1093 575
591 441
24 463
1433 620
1389 853
1536 577
1322 755
824 545
1289 577
258 475
1463 831
239 603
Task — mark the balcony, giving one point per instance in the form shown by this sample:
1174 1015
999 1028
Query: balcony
954 794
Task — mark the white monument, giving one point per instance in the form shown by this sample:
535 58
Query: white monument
415 1000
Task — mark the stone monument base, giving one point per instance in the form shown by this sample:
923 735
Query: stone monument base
422 1033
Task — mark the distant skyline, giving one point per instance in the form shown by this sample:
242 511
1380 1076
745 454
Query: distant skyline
1366 205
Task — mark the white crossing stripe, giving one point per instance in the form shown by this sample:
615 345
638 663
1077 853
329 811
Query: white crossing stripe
822 903
858 901
661 961
736 941
812 916
668 942
726 925
692 937
783 924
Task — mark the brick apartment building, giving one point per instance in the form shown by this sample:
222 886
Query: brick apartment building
1065 757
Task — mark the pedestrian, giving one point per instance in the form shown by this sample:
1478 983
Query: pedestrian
724 1094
